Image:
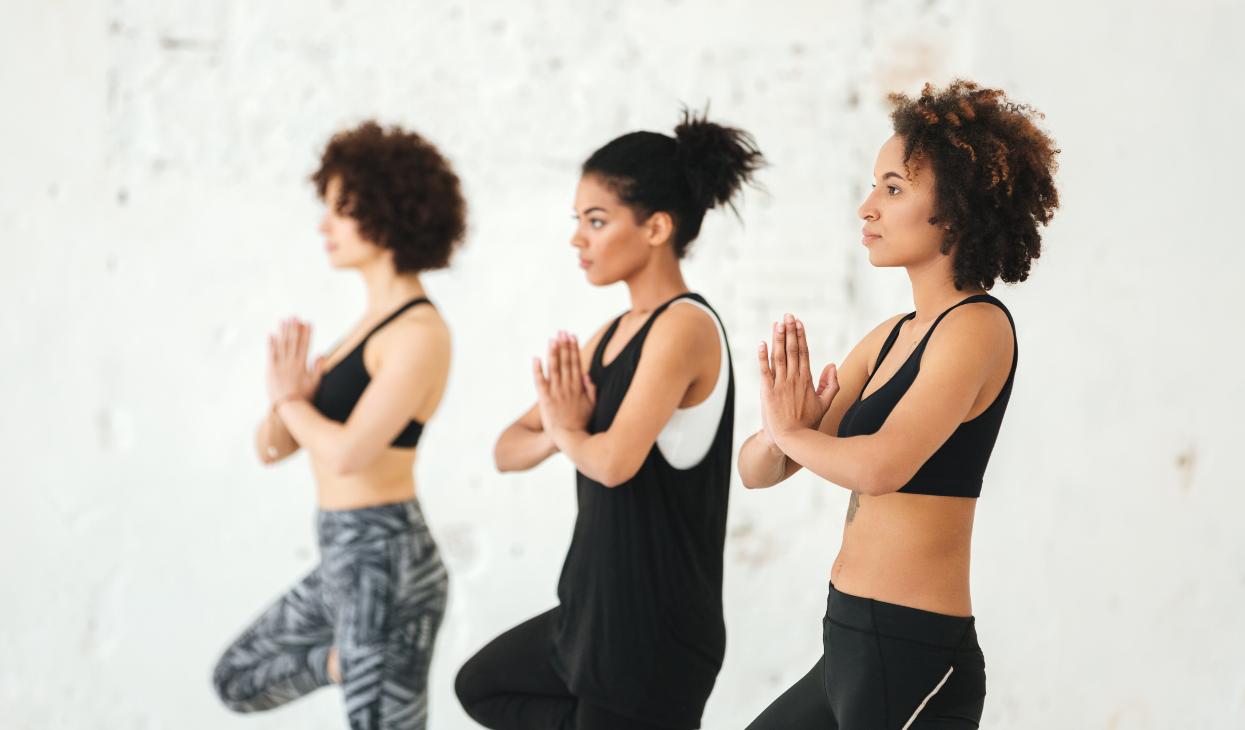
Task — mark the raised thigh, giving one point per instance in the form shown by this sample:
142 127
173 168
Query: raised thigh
802 706
510 683
283 654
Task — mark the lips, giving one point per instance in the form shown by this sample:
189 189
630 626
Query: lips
584 263
867 237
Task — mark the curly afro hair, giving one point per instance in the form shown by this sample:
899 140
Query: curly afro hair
994 170
399 189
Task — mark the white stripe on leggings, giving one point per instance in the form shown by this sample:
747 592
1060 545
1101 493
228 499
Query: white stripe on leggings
928 697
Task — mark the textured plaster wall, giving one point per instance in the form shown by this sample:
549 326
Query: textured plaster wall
155 222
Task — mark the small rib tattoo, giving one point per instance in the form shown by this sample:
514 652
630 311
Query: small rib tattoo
852 506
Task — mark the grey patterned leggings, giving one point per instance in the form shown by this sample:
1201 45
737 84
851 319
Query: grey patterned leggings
378 595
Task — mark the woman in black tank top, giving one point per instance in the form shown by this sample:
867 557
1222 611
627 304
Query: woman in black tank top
638 636
909 419
368 615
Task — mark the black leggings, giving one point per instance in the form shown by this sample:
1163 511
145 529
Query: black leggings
510 684
888 667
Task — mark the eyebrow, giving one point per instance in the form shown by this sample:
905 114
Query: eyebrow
586 212
893 174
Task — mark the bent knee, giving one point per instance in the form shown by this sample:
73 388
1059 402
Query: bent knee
467 684
225 682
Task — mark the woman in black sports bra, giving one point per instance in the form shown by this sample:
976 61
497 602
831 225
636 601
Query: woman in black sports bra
908 421
645 411
367 616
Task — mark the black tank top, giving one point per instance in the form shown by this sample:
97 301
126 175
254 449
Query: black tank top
343 385
957 467
640 630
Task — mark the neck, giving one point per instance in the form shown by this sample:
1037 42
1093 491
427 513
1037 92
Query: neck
933 288
659 281
387 289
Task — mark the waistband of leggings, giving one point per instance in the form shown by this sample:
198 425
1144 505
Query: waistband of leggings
901 622
343 527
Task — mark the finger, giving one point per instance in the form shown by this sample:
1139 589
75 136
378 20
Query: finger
577 371
287 344
767 375
828 385
590 388
792 340
555 374
777 353
538 376
302 337
272 350
569 379
806 370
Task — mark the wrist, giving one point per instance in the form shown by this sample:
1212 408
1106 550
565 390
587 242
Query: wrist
565 434
282 400
766 441
780 435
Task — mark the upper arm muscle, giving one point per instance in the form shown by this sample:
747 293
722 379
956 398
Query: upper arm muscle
673 355
967 350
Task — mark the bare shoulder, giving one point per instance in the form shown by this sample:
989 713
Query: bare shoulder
685 327
979 327
419 330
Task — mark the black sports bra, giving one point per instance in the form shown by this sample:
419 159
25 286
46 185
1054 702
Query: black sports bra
957 467
343 385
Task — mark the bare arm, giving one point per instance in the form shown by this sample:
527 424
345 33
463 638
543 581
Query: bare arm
762 464
409 377
670 362
273 441
958 360
524 444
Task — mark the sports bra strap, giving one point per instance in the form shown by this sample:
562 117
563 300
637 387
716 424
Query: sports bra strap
969 300
395 315
890 340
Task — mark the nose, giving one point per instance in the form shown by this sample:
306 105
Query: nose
578 240
868 211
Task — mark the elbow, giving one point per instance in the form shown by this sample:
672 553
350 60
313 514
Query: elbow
267 455
750 483
876 481
500 457
618 471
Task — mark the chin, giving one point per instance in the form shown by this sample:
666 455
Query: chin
882 261
596 279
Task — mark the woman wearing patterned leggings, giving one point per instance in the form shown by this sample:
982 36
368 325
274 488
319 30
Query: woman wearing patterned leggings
366 617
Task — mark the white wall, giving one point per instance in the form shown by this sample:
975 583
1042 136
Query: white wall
156 221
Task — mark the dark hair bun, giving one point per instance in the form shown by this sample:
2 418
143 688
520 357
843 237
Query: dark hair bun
717 160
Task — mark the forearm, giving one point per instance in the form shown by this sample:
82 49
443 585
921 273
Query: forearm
520 448
273 441
594 456
853 462
762 463
319 435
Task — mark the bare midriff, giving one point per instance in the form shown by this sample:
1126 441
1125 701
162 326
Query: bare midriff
388 479
908 549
